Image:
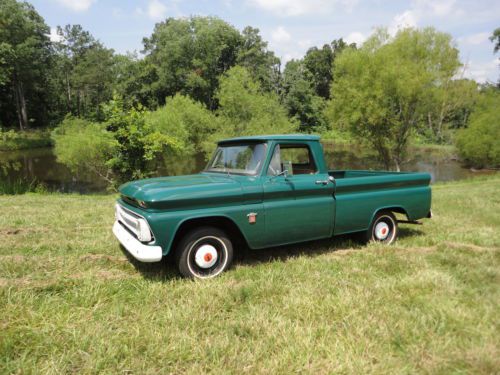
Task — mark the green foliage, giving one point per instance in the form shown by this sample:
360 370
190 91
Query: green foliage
190 55
380 91
139 144
479 143
25 61
246 110
448 108
85 146
260 62
17 140
21 186
301 99
188 121
495 38
130 144
319 62
135 79
84 74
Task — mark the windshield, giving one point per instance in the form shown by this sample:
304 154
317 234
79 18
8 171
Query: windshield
246 159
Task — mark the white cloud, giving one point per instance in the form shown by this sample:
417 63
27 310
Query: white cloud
403 20
54 36
439 8
474 39
157 11
280 35
482 72
355 37
301 7
77 5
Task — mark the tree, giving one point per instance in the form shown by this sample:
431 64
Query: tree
190 55
319 63
24 64
479 143
495 38
85 72
260 62
448 107
246 110
380 90
300 97
134 79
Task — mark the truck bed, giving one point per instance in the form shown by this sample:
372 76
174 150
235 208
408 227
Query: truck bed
359 193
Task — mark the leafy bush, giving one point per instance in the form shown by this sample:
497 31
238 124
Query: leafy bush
479 144
188 121
85 146
130 144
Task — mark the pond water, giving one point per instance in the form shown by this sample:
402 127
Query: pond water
41 165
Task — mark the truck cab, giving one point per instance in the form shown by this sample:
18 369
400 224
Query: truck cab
259 192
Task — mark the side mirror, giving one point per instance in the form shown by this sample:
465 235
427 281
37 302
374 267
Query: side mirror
287 166
282 173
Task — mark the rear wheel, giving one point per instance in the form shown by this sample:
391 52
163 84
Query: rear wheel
204 252
384 228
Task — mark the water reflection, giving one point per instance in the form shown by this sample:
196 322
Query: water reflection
41 165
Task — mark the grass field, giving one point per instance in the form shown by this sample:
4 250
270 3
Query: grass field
71 302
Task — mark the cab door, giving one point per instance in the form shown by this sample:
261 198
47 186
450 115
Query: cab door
299 203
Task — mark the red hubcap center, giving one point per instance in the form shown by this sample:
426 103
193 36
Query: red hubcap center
384 231
207 257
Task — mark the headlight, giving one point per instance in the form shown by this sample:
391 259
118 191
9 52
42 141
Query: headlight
143 232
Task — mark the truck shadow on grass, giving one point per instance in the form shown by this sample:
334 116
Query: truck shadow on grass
166 270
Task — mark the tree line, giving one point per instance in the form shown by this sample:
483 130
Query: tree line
200 78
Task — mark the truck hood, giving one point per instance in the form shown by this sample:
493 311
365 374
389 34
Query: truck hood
198 190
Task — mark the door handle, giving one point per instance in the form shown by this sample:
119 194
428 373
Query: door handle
322 182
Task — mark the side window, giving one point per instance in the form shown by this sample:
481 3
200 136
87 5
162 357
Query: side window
298 157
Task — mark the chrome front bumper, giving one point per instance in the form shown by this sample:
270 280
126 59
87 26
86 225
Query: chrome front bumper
140 251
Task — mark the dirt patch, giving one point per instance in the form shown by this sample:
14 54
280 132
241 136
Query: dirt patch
10 231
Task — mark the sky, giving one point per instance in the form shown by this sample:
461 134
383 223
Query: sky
293 26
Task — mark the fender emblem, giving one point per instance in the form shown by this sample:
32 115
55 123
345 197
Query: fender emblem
252 217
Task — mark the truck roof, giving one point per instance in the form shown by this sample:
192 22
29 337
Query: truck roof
275 137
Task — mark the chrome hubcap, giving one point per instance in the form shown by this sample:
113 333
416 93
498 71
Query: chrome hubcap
205 256
382 230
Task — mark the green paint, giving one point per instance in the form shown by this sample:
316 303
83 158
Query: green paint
289 209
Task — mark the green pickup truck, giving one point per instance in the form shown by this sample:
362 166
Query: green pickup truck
260 192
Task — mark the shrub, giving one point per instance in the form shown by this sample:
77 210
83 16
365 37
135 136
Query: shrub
85 146
479 143
188 121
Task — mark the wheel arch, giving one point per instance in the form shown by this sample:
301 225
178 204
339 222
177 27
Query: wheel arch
396 209
221 222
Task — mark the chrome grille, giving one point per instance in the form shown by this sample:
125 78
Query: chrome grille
128 219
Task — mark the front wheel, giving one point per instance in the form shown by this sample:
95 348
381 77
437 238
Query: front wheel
204 253
384 228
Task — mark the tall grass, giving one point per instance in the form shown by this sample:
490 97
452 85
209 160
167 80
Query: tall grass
72 302
21 186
